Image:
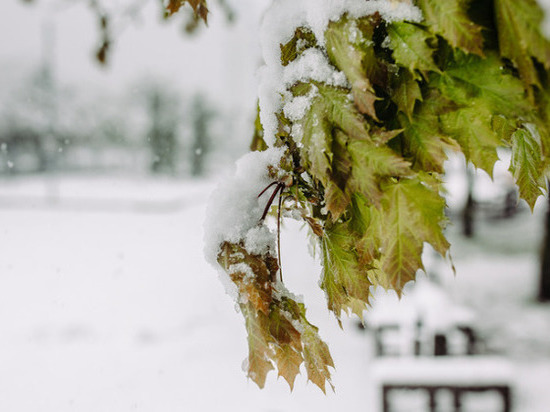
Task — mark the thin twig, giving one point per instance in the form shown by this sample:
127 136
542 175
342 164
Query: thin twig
279 233
270 201
267 187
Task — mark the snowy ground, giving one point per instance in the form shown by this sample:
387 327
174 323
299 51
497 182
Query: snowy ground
106 304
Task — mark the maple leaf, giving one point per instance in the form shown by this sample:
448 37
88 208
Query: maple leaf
406 92
526 165
336 194
303 39
450 20
330 109
259 352
469 76
370 165
351 50
520 37
199 7
412 214
288 363
342 112
317 141
240 264
365 222
472 128
315 352
343 277
410 48
317 358
423 138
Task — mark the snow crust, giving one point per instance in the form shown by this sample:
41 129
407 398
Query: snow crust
279 25
234 209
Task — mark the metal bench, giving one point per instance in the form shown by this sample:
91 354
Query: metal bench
456 374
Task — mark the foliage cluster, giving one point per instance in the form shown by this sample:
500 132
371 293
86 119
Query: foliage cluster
363 165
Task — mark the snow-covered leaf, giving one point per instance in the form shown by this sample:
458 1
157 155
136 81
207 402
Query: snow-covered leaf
352 51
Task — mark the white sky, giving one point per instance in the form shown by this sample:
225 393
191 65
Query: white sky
221 60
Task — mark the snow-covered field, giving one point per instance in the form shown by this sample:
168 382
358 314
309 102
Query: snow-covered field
107 304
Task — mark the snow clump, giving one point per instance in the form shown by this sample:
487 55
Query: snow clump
234 209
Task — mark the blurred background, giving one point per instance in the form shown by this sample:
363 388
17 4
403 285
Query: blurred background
115 125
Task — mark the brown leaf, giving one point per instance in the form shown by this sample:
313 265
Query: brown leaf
254 275
317 359
259 352
288 363
199 7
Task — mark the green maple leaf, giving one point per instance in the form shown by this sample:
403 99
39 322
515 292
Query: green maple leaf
527 165
472 128
342 113
337 196
412 214
366 224
450 20
370 165
331 109
469 77
520 38
410 47
350 49
317 358
423 139
343 277
406 92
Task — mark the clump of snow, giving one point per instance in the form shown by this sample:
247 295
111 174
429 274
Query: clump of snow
296 108
241 268
259 240
234 210
313 65
281 21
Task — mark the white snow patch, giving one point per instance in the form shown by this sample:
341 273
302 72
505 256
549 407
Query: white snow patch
260 240
234 209
296 108
241 268
313 65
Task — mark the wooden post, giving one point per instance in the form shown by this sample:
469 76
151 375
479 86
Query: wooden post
457 393
431 394
385 398
440 345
